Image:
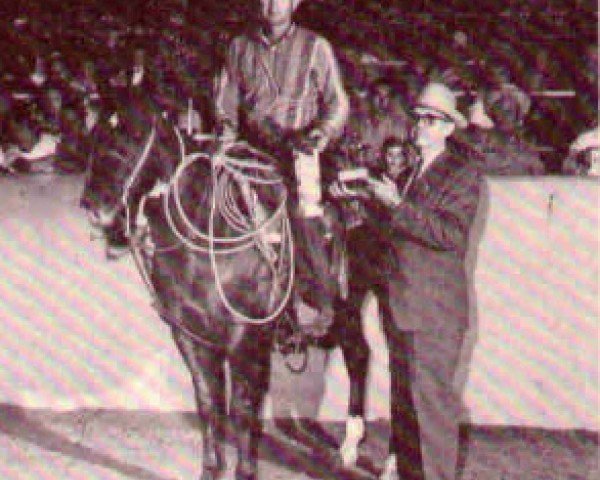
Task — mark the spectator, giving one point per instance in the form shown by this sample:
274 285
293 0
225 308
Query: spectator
428 231
385 117
496 132
28 127
66 110
548 123
584 155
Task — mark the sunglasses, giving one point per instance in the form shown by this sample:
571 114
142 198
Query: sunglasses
428 119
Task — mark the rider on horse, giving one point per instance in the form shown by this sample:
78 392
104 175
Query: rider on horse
281 90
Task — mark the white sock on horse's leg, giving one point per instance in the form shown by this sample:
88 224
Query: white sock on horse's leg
389 471
355 432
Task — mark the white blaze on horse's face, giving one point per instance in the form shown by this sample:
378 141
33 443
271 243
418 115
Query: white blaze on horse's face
102 217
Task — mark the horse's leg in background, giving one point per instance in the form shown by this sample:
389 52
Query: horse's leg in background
207 369
356 353
250 365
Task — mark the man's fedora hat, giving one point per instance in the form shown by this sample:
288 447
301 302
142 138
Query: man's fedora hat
437 97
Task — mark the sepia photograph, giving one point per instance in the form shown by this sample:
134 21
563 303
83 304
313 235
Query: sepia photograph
299 240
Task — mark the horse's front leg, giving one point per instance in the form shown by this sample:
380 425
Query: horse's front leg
208 376
250 369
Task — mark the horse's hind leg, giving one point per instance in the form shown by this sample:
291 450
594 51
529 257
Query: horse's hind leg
208 376
356 353
250 369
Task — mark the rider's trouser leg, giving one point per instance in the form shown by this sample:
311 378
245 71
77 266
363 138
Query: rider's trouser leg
315 284
314 281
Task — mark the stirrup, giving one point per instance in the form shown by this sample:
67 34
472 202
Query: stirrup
291 343
296 360
313 323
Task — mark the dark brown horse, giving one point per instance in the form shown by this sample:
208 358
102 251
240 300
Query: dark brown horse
213 246
221 297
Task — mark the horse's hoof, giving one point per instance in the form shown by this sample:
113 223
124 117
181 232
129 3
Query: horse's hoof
212 474
389 471
240 475
349 454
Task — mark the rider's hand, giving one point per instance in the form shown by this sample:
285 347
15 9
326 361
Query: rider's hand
226 136
319 139
219 146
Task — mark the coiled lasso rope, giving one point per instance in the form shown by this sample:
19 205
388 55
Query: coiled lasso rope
225 170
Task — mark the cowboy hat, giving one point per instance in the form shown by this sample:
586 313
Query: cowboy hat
437 97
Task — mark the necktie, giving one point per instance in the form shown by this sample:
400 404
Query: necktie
414 174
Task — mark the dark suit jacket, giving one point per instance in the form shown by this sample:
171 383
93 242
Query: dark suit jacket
428 236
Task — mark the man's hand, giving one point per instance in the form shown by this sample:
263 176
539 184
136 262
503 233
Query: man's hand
220 145
339 189
385 191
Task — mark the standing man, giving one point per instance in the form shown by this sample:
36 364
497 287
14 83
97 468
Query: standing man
281 90
428 228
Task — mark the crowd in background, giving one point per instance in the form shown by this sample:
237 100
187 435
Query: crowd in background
57 83
526 96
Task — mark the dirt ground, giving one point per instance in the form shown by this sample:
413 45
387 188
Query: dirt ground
146 445
118 445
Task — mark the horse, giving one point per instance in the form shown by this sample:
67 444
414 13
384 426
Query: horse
217 258
142 180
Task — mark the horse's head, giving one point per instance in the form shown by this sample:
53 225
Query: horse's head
128 160
103 185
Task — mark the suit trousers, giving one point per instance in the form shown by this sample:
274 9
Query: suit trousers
423 365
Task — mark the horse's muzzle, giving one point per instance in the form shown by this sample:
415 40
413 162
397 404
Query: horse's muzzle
101 218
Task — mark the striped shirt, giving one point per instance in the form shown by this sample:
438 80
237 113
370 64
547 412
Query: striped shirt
291 84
